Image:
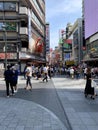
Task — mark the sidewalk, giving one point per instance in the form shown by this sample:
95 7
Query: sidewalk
81 112
19 114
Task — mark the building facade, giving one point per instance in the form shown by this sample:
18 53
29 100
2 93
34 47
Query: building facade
47 41
47 38
22 31
77 41
90 13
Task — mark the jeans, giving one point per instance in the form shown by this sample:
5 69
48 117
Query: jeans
28 82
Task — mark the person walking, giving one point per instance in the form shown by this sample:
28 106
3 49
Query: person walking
89 90
8 81
72 72
28 76
24 72
45 70
14 78
49 72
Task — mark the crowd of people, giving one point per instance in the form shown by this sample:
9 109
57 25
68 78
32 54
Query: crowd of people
45 72
11 76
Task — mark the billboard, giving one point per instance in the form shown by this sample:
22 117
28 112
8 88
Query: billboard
35 42
90 17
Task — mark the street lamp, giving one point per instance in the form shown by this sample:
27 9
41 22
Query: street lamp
5 48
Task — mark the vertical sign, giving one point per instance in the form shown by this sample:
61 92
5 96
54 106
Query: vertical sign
29 29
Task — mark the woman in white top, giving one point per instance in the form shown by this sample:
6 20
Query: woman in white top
29 75
45 70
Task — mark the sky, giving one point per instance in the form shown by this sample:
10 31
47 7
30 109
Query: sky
58 14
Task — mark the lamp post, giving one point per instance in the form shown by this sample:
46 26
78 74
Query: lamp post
5 41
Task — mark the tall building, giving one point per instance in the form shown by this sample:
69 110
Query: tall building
91 31
47 41
47 38
77 45
22 31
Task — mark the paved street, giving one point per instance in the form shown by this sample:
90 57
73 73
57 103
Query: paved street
82 113
57 105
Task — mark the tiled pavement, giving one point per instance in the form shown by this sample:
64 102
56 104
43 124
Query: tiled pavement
19 114
82 113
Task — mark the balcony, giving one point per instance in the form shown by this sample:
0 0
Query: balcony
23 49
40 15
23 31
23 11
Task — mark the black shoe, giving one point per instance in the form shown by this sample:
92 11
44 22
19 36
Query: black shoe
92 97
85 95
30 89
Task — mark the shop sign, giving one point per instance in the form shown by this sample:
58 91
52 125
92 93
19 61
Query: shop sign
8 55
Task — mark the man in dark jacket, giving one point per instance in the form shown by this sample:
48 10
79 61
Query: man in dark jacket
8 78
14 78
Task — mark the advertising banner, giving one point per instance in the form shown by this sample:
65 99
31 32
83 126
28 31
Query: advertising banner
30 37
8 55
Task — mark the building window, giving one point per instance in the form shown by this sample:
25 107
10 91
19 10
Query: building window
37 21
1 6
7 6
10 6
37 6
10 26
1 24
11 48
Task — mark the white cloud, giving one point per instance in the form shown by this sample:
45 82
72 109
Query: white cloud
66 6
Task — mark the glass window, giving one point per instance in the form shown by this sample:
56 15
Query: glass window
1 5
11 48
10 6
1 24
10 26
37 21
37 6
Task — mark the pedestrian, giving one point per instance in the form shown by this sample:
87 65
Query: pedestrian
89 90
85 71
14 78
72 72
28 76
24 72
8 81
45 70
49 72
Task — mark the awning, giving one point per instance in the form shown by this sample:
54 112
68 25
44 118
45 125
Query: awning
70 62
90 59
